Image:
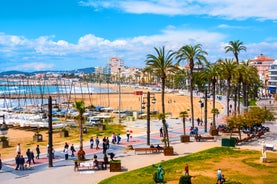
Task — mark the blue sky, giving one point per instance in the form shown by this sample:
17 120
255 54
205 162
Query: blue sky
71 34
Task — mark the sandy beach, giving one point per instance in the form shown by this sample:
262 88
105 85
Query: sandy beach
174 101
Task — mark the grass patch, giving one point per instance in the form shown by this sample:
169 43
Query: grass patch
238 166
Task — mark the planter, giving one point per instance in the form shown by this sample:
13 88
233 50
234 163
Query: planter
64 133
185 138
37 138
213 132
168 151
4 144
115 166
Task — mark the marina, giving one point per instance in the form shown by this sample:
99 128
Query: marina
24 103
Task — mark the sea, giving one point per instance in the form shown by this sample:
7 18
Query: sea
8 88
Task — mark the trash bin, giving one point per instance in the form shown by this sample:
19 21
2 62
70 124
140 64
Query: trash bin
225 142
228 142
37 138
232 141
85 130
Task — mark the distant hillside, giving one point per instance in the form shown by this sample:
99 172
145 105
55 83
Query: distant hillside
15 72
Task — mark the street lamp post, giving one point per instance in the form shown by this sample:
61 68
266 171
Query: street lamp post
119 97
4 127
50 133
148 113
4 131
206 110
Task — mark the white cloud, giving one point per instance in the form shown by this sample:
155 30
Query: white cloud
50 54
11 40
33 66
226 26
229 9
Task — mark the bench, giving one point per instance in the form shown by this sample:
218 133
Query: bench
246 139
260 133
199 138
149 150
88 165
101 164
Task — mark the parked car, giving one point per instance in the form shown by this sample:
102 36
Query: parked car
93 121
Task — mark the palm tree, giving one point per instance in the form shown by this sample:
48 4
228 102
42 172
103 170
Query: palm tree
162 64
211 73
80 107
183 115
191 53
249 76
228 68
235 47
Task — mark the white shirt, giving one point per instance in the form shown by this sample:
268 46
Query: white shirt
18 149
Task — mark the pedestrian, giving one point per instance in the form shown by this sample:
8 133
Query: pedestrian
106 161
76 166
28 153
195 130
108 143
218 175
72 149
66 145
118 138
222 181
66 153
18 149
186 170
38 151
111 155
94 156
21 161
198 121
104 145
161 132
113 138
32 156
128 135
91 141
50 153
97 143
17 158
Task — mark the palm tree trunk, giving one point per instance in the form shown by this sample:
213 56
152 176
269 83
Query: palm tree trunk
235 100
191 97
81 132
228 98
184 124
239 89
214 102
166 138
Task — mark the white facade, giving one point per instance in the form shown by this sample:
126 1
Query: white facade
116 63
272 81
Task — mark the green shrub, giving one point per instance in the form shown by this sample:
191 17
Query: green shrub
185 179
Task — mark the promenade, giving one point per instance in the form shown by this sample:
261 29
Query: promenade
62 171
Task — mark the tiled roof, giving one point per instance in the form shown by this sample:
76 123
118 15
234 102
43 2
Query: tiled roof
261 58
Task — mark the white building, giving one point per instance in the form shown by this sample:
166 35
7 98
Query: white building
272 81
